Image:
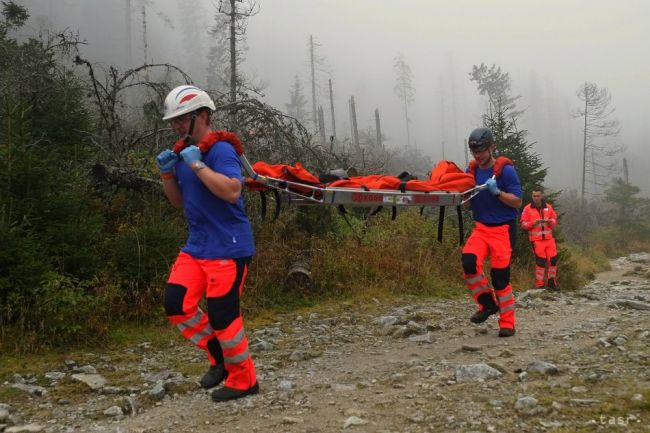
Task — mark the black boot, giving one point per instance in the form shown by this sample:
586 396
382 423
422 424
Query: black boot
489 307
214 376
506 332
225 393
481 316
552 285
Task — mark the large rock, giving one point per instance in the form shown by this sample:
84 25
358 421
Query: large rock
628 303
528 405
542 367
639 258
114 411
480 372
158 392
35 390
354 420
94 381
28 428
54 375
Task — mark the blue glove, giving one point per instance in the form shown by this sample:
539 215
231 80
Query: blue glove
492 186
166 160
191 154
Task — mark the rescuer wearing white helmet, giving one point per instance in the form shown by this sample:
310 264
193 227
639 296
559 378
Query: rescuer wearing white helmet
202 174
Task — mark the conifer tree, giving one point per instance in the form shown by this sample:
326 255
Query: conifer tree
512 143
404 89
297 102
501 118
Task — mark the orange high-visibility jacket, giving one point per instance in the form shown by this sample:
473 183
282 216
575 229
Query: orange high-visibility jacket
531 215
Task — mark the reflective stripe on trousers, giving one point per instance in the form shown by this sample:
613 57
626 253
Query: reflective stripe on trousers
236 357
196 328
477 285
539 276
506 302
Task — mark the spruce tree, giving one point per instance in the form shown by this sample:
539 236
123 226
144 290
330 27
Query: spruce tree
501 118
512 143
297 102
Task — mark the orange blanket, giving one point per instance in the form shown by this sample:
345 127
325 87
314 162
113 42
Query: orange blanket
445 176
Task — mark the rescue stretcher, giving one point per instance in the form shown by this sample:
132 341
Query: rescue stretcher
299 193
296 192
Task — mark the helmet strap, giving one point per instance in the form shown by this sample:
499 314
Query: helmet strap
189 138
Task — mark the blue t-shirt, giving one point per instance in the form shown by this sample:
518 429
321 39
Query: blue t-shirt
217 229
488 209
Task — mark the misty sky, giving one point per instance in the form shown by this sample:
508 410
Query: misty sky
549 47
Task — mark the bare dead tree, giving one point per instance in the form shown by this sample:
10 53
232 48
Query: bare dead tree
272 136
332 110
599 128
314 114
321 125
238 12
128 37
317 69
353 123
120 131
380 144
125 144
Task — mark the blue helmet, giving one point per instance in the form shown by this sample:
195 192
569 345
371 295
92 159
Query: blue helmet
480 139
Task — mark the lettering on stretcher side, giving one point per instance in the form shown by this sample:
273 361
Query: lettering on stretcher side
361 197
364 197
427 198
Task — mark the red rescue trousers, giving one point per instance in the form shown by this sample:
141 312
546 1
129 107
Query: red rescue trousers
495 242
545 255
222 282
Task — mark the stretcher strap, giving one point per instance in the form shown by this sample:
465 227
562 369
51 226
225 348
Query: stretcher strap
461 234
441 220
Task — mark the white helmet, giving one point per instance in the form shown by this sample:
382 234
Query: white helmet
185 99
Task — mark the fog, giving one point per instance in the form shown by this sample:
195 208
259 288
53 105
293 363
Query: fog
549 48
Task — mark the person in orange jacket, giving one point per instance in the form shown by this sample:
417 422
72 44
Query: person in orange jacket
494 210
538 219
202 174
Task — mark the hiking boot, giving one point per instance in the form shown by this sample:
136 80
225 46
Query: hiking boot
213 377
226 393
506 332
482 315
552 285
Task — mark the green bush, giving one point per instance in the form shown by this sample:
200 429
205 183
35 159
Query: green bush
59 312
69 311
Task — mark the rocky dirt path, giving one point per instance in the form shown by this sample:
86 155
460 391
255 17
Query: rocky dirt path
580 362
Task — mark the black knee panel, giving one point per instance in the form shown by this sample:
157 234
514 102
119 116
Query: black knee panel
554 261
469 263
174 295
500 277
540 261
222 311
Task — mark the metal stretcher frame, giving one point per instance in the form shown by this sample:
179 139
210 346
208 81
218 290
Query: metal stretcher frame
354 197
